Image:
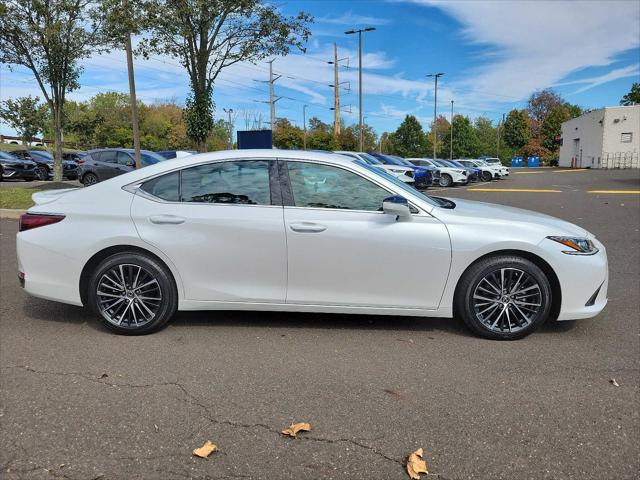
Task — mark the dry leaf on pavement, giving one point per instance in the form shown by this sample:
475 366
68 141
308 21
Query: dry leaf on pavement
613 382
294 428
416 464
205 450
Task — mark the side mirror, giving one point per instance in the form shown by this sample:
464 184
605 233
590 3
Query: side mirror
396 205
131 163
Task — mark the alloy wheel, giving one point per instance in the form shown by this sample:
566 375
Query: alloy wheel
129 296
89 179
507 300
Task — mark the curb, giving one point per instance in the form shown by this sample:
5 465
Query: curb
13 213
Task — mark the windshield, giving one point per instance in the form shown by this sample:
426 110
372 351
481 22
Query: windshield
457 164
7 156
404 161
41 154
389 160
440 163
370 159
399 183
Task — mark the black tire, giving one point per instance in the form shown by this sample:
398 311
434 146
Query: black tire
164 288
446 180
467 305
89 179
486 176
42 173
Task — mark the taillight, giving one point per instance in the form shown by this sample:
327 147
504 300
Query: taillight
80 161
35 220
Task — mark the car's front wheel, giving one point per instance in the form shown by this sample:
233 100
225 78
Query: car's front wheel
446 180
504 297
89 179
486 176
42 173
133 293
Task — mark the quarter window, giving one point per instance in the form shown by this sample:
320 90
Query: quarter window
243 182
324 186
166 187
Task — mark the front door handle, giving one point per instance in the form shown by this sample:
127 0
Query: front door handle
307 227
166 219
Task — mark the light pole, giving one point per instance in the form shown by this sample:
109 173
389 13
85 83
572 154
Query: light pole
304 126
359 32
229 112
435 111
451 139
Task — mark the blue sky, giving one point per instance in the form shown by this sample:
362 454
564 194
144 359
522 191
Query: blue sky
494 55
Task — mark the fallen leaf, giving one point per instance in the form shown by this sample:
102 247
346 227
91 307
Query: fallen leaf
104 375
156 427
205 450
294 428
416 464
613 382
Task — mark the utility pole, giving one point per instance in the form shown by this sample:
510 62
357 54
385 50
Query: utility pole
359 32
134 102
304 126
336 89
451 139
272 97
435 112
229 112
500 123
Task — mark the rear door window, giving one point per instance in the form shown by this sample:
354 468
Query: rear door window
108 156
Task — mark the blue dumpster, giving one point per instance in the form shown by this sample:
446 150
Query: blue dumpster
516 161
533 161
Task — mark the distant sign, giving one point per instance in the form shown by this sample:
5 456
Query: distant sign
251 139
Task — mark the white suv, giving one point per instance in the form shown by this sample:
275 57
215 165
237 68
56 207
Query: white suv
401 173
495 161
448 174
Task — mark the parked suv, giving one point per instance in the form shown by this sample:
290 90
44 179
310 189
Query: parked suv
44 164
105 163
11 167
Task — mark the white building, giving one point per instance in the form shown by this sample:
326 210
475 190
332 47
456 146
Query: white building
605 138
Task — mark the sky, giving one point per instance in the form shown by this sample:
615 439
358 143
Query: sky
494 55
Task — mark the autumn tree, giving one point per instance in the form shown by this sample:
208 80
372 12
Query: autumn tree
633 97
209 36
26 115
540 105
50 38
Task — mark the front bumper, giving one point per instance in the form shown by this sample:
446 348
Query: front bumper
17 171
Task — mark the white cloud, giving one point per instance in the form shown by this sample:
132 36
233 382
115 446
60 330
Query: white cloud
624 72
536 44
351 19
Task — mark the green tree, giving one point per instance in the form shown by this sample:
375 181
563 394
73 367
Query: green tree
633 97
26 115
209 36
49 38
516 129
552 127
409 139
487 136
287 136
465 141
320 135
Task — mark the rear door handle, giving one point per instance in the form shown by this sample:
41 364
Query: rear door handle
307 227
166 219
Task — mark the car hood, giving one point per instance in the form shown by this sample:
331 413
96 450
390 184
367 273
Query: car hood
503 214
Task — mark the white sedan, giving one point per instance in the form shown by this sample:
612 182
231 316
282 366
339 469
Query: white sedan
301 231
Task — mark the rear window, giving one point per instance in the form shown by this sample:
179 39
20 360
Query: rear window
166 187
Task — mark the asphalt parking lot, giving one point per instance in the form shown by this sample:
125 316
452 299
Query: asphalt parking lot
78 402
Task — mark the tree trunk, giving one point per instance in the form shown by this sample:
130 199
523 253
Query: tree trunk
202 146
57 155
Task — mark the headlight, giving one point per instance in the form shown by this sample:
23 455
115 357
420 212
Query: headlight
578 246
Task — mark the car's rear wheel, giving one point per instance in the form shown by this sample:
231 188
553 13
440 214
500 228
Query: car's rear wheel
133 293
89 179
486 176
446 180
504 297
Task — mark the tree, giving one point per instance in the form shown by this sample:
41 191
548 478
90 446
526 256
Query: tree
287 136
552 127
409 139
26 115
320 135
465 141
487 136
633 97
207 37
540 105
49 38
516 129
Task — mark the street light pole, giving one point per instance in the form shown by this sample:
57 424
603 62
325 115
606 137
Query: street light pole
229 112
304 126
451 139
435 111
359 32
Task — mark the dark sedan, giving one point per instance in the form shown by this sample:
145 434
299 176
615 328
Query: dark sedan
13 168
105 163
44 164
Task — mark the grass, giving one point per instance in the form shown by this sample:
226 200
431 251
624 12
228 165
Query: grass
16 197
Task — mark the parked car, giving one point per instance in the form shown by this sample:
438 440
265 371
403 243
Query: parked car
44 164
473 173
433 176
422 178
497 167
449 175
373 161
74 156
11 167
301 231
169 154
491 160
487 173
102 164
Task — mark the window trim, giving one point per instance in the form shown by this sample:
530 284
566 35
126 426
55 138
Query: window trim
136 187
287 191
